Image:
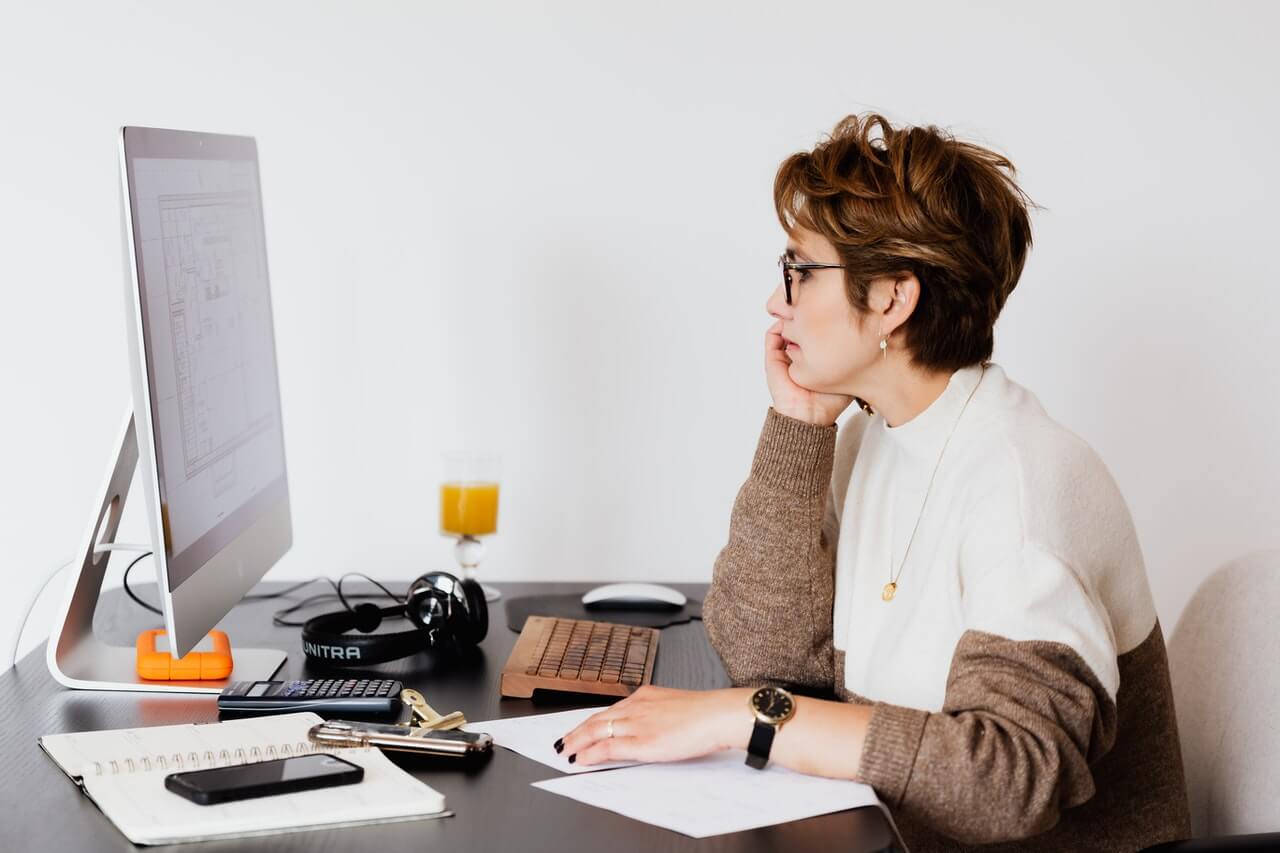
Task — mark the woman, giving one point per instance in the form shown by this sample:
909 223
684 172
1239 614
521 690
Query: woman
958 569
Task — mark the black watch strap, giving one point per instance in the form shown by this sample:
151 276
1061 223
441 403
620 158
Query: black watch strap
760 744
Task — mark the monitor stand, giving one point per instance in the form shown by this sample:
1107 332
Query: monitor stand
77 658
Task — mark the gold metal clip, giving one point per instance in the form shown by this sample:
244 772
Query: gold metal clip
426 717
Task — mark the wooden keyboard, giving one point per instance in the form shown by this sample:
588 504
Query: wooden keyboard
579 656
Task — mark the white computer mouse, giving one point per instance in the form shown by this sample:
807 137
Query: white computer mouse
634 596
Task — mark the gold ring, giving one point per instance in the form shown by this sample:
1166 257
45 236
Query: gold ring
610 728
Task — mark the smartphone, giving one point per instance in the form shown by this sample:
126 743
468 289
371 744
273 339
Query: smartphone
264 778
348 733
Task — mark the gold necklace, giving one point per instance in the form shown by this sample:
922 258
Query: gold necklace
891 588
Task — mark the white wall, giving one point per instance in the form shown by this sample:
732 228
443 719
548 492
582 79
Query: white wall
547 229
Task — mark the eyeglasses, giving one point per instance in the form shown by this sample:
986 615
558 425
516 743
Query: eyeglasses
787 266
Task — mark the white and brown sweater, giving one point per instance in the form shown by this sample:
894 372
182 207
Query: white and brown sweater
1019 677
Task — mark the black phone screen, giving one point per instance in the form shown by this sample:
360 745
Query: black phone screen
281 776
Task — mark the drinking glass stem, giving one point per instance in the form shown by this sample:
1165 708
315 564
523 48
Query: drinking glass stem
468 552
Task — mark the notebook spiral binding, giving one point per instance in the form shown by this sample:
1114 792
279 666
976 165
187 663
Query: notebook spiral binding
225 758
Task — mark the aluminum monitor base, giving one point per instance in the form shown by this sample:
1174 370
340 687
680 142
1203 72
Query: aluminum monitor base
77 658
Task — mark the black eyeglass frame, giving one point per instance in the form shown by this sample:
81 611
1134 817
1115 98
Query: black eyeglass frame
787 266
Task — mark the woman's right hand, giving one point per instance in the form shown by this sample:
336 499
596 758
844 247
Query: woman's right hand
793 400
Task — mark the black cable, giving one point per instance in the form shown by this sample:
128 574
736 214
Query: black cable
129 592
277 618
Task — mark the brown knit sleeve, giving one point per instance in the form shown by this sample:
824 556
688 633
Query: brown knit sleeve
768 612
1021 724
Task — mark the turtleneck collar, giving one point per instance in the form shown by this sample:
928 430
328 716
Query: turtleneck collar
924 434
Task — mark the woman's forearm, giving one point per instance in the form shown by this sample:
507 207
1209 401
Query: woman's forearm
768 612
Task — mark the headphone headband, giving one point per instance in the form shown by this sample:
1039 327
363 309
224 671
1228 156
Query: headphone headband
325 638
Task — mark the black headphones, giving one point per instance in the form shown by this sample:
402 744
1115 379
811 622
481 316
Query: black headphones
445 611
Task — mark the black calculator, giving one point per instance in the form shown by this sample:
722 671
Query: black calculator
326 695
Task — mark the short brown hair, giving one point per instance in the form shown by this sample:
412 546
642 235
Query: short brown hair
914 199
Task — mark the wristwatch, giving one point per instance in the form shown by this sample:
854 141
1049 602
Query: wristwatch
772 707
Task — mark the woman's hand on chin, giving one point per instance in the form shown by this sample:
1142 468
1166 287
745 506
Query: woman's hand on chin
662 724
793 400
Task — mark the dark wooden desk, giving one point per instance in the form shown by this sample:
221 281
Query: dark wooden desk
496 809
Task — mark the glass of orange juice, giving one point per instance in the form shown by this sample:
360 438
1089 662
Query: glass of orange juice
469 508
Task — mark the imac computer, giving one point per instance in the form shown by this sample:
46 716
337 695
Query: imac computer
205 423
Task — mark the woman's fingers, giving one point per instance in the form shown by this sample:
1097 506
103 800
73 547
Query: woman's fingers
590 730
610 749
605 738
775 350
773 342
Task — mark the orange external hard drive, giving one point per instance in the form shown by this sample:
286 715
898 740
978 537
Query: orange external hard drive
156 665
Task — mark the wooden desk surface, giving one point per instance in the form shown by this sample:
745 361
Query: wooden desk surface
496 809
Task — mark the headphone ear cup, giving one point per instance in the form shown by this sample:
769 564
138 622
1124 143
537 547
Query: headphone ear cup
415 601
478 612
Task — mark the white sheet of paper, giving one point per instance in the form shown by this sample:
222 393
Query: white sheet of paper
534 737
712 795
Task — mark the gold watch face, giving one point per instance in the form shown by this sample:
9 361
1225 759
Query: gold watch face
773 705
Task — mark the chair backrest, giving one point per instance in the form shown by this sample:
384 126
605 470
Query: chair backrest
1224 661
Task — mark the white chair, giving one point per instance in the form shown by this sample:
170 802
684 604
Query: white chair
1224 661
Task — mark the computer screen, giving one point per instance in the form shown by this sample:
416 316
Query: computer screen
210 357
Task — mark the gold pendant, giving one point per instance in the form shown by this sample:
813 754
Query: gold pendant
887 593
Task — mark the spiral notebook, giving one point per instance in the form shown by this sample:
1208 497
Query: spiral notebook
123 772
